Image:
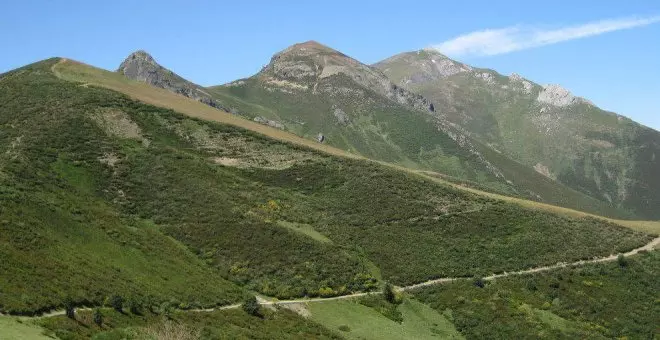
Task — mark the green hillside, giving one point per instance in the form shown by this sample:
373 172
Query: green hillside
104 195
565 138
603 301
310 89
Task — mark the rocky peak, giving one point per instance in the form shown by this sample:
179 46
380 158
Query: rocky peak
304 66
141 66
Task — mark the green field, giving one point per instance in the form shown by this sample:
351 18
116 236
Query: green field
13 328
356 321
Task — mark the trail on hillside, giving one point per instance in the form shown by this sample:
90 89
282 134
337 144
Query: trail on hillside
647 247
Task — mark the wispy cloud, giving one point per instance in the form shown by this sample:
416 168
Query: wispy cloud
516 38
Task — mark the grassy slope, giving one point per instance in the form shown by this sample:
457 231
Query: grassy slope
12 328
356 321
597 301
229 324
56 225
590 150
56 170
383 131
419 225
75 71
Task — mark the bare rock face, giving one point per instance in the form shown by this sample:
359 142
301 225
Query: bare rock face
310 63
342 117
559 96
142 67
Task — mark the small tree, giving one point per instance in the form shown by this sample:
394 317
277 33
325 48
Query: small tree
622 260
117 302
135 306
98 317
69 308
388 293
251 306
479 282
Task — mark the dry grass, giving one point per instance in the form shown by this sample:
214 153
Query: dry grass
89 75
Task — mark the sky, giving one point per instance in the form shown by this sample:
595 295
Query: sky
606 51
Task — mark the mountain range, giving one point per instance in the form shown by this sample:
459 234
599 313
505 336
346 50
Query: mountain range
425 111
320 198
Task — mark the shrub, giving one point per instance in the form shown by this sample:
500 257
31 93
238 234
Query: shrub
70 309
388 293
117 303
622 260
98 317
251 306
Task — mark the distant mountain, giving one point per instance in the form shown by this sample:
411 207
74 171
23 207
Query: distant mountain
561 136
322 94
318 92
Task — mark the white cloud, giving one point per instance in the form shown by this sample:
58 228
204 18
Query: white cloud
516 38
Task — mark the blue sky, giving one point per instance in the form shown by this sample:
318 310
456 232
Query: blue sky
213 42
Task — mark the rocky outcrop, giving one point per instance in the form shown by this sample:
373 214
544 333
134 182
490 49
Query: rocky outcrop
558 96
142 67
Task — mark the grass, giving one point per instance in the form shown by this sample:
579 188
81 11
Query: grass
598 153
78 72
305 229
12 328
356 321
84 200
596 301
228 324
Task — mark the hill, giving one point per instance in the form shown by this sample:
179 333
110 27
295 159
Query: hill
153 202
565 138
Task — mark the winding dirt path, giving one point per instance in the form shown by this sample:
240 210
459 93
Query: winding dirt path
647 247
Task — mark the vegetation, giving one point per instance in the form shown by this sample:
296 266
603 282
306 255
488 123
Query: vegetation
165 209
595 301
600 154
251 306
227 324
354 320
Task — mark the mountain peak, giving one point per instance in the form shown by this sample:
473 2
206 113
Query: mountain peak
141 55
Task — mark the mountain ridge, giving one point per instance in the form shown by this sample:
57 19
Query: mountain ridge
545 127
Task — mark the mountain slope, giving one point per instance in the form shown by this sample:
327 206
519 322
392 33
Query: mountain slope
161 206
562 137
310 89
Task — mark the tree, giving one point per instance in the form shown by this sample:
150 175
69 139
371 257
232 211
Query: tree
117 302
98 317
70 308
135 306
388 293
251 306
479 282
622 260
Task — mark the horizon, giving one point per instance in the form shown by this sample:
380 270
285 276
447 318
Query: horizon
600 54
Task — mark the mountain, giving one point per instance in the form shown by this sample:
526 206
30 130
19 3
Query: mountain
563 137
313 91
152 207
